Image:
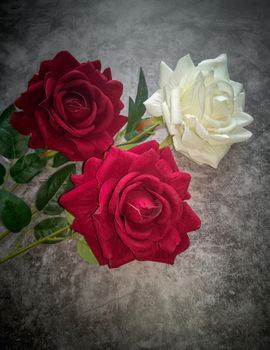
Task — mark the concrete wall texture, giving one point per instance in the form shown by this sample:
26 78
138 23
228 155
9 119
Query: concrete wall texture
216 296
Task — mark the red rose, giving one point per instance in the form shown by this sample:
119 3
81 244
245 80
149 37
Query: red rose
131 205
71 107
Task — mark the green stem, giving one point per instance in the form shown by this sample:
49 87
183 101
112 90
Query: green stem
139 136
166 142
7 175
4 234
13 188
32 245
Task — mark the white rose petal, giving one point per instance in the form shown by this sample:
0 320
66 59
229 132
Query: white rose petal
202 108
164 75
153 104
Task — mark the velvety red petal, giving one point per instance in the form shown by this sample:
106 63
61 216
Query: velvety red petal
108 73
163 257
122 183
114 89
63 63
89 172
82 201
115 164
170 241
31 99
145 162
120 260
96 64
180 182
112 247
189 220
144 147
166 154
118 122
21 122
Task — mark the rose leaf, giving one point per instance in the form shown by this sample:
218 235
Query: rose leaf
12 144
85 252
50 191
14 212
27 167
50 225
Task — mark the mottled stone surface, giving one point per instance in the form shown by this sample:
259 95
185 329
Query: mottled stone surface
216 296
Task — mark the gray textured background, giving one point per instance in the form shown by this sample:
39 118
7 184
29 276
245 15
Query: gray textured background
216 296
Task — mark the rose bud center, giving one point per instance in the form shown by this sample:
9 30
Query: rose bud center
76 105
141 207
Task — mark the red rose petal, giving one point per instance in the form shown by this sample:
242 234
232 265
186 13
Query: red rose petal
144 147
115 164
118 122
189 220
20 121
170 241
108 73
166 154
63 63
82 201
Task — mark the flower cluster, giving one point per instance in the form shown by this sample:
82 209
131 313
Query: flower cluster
129 200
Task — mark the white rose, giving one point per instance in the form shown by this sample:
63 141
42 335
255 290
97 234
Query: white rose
202 107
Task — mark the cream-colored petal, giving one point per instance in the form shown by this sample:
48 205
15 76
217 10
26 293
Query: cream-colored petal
166 116
200 151
239 135
235 136
237 87
218 64
164 74
153 104
222 106
176 114
193 100
239 102
243 119
183 68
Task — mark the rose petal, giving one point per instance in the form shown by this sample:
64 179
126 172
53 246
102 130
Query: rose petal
164 74
153 104
189 220
170 241
115 164
63 63
82 201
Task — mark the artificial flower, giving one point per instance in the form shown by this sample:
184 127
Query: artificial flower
132 205
202 107
71 107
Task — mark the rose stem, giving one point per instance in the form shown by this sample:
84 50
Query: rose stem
4 234
166 142
32 245
137 137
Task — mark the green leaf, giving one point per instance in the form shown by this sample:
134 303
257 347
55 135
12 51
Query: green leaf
50 191
85 252
2 174
142 94
50 225
69 217
14 212
27 167
59 159
12 144
136 109
40 150
132 121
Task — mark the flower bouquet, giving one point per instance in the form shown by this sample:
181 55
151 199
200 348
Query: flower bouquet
100 181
